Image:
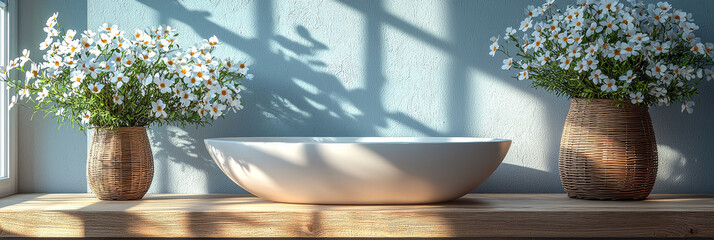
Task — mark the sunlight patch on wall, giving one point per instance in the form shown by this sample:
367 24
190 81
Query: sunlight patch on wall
671 163
416 79
504 111
314 34
428 16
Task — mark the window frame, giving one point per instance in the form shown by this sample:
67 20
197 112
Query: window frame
8 119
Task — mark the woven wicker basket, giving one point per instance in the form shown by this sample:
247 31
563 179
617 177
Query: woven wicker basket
607 152
120 165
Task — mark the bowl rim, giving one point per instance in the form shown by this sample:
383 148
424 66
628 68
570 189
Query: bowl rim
356 140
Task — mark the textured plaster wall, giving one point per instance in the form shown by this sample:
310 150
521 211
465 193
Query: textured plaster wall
356 68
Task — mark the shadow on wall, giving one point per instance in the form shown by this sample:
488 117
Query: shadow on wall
292 102
297 98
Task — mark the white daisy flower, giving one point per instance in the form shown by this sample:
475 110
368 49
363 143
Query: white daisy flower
608 85
163 85
709 73
630 49
493 49
610 25
46 43
236 104
33 72
636 98
163 45
687 106
95 87
13 102
118 99
680 16
565 39
544 58
216 110
617 54
659 48
628 77
201 72
186 98
191 81
147 56
77 77
640 38
565 62
526 24
185 71
507 63
592 29
127 61
85 116
590 63
698 48
626 22
109 67
213 41
537 43
666 79
709 49
42 94
532 11
657 70
224 94
104 40
52 21
510 31
577 24
159 109
523 75
119 79
591 51
574 52
596 76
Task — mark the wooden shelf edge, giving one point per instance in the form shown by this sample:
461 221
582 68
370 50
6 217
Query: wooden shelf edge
477 215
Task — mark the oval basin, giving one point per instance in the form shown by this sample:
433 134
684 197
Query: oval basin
350 170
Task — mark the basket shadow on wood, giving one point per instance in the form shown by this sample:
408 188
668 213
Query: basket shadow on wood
120 163
606 152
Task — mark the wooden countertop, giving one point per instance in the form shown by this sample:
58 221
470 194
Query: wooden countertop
235 215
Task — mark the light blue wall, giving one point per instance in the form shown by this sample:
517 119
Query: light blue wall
357 68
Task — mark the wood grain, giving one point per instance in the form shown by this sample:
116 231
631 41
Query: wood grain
475 215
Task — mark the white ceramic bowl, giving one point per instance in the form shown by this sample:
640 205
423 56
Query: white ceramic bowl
346 170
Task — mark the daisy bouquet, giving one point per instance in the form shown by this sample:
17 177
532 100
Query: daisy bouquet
604 49
110 78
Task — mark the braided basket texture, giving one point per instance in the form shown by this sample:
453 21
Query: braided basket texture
606 152
120 165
